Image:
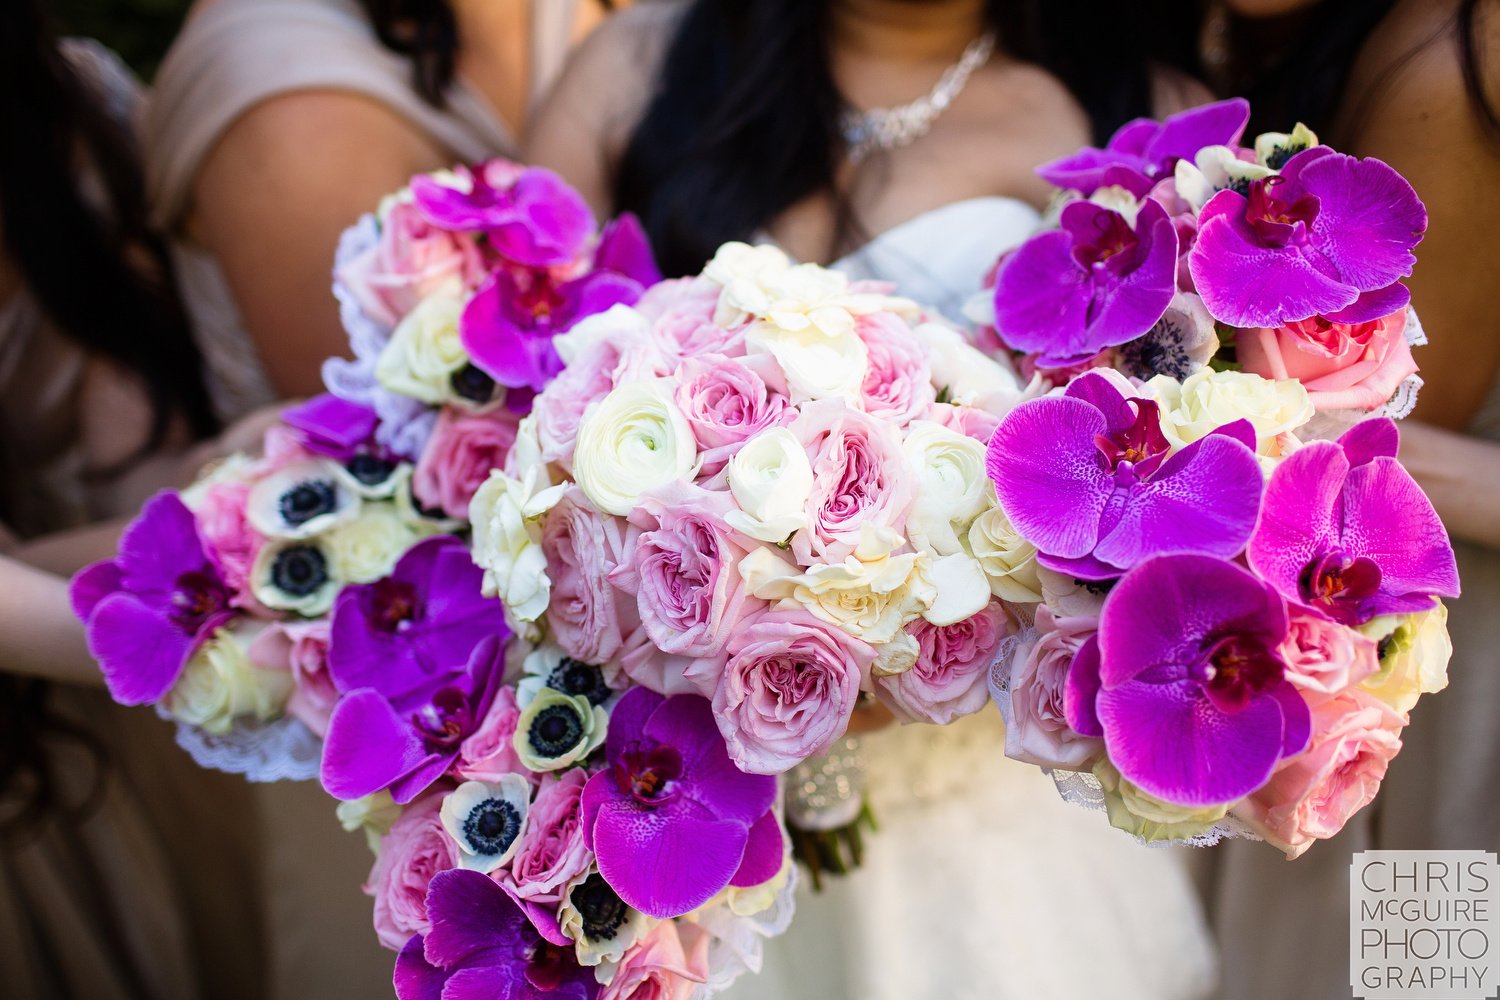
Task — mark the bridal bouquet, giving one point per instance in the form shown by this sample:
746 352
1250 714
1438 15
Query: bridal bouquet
1238 583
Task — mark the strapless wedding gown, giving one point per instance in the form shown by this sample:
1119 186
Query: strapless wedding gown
981 883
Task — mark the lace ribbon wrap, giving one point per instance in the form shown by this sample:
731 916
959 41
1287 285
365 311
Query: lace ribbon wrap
280 750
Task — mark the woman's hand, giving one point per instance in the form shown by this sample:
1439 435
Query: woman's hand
869 716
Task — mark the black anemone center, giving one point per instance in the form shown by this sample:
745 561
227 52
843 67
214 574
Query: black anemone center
579 679
472 384
299 570
603 912
1281 154
492 826
371 470
556 730
307 500
431 513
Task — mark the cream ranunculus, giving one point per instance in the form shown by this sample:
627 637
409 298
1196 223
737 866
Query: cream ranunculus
367 547
630 442
1007 559
817 364
1210 399
220 684
952 487
966 375
1414 654
425 351
771 479
505 513
1147 817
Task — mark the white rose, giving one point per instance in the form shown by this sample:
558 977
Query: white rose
219 684
630 442
425 350
747 274
817 364
367 547
1007 560
508 540
897 656
952 485
1148 817
1415 650
1210 399
624 328
771 479
967 376
959 587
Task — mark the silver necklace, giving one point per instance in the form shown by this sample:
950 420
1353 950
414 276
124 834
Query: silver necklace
892 128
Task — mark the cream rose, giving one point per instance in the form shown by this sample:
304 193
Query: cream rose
220 684
1147 817
505 514
965 375
632 441
1210 399
425 350
1415 650
952 487
817 364
771 479
367 547
1007 559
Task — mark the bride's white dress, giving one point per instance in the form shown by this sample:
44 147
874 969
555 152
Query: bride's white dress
981 882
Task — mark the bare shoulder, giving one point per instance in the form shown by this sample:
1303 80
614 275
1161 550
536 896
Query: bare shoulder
1173 90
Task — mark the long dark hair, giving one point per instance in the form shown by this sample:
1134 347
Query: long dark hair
744 122
1308 80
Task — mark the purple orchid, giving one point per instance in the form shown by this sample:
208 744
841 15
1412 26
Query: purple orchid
1143 151
1330 235
328 425
483 945
529 215
1086 478
1188 690
1347 532
404 737
1095 282
671 819
624 250
411 629
148 609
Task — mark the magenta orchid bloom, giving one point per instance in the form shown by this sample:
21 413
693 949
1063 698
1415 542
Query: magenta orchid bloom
529 215
1348 533
1086 478
1331 235
329 425
671 819
1093 283
148 609
1143 151
482 944
1187 688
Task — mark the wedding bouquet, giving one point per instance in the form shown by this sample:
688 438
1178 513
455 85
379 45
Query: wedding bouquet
1239 584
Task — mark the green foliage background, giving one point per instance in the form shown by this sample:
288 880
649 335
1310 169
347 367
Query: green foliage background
139 30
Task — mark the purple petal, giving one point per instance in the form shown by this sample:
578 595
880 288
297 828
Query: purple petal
541 918
625 250
596 293
1048 475
91 585
1296 719
416 978
1374 305
552 221
764 852
1389 519
1042 296
666 862
1100 393
1301 516
160 545
1081 690
139 649
330 425
512 354
470 914
420 778
709 777
1369 440
627 721
1089 567
368 746
1130 306
1084 170
1368 221
1183 134
1134 136
454 210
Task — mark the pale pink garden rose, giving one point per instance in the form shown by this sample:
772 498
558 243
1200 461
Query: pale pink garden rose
1323 657
1038 730
788 689
416 848
726 402
667 963
948 681
489 752
966 420
641 662
302 649
681 314
859 480
460 455
1343 366
1313 795
231 541
898 381
411 259
551 853
589 617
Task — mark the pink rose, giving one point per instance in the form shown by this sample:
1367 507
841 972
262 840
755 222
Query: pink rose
1324 657
667 963
617 354
898 381
551 853
302 648
589 618
489 752
966 420
1312 795
416 848
1343 366
788 689
411 260
859 478
231 541
1037 730
727 402
681 313
948 680
460 455
643 663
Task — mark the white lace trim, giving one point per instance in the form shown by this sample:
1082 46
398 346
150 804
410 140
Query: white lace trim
281 750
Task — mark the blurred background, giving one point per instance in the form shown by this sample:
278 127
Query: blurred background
139 30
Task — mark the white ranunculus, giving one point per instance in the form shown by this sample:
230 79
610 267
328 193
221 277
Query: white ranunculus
508 540
748 275
952 487
1007 560
1209 399
965 375
771 479
817 364
425 350
367 547
220 684
1212 170
630 442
